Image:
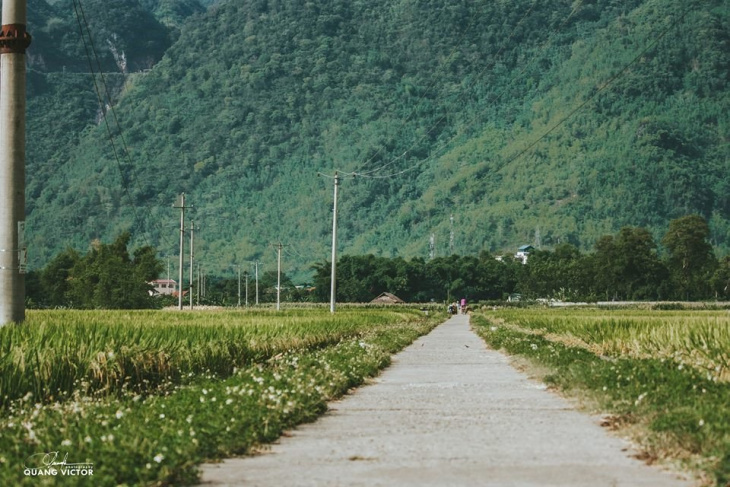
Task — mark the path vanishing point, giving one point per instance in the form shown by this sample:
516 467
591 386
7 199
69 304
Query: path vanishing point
447 412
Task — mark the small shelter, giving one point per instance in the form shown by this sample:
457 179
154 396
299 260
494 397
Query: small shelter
387 298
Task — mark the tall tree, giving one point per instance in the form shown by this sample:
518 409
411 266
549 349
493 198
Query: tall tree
691 259
107 277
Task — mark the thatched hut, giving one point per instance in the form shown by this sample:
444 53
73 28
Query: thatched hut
387 298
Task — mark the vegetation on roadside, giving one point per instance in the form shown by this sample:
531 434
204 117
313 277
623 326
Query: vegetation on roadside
666 374
153 394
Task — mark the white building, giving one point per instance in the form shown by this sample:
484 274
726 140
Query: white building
523 253
164 287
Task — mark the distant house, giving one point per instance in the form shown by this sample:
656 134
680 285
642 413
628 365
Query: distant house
164 287
523 253
387 298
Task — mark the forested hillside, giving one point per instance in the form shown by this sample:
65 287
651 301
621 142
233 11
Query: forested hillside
562 120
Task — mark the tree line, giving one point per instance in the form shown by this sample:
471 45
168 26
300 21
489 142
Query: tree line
106 277
629 265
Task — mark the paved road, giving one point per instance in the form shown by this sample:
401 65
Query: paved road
448 412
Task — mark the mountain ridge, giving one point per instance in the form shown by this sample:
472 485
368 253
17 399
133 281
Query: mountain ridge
251 100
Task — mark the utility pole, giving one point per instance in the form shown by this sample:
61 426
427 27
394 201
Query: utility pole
239 286
333 273
14 40
199 283
451 236
246 276
192 246
278 276
257 282
431 247
180 203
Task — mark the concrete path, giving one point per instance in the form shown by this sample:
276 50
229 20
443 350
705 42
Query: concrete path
448 412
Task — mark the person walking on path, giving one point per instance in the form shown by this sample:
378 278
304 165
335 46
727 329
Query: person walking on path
448 412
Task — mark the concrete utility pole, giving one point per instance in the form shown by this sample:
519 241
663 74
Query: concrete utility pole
180 203
192 246
239 285
14 40
246 276
451 236
333 273
257 282
278 276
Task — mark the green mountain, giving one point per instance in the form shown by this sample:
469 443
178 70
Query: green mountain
562 119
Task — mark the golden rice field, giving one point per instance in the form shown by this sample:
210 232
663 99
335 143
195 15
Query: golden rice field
143 397
661 377
697 338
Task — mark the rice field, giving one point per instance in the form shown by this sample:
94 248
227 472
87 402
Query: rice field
660 378
697 338
141 398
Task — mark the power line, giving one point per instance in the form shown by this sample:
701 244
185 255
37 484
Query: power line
81 16
101 107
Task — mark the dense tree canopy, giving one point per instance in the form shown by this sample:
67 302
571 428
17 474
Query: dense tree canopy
625 266
513 116
106 277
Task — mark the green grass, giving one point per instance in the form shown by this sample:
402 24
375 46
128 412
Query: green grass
231 380
662 375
